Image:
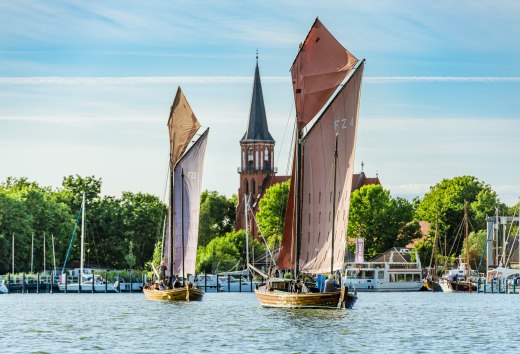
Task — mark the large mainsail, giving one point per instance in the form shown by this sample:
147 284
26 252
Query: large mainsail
340 118
182 127
320 67
187 188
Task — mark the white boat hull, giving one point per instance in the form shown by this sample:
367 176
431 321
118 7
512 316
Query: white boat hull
87 288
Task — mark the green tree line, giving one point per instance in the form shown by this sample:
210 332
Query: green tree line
120 232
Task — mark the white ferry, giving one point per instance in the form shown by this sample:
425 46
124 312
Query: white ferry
392 271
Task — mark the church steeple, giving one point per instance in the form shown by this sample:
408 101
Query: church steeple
257 126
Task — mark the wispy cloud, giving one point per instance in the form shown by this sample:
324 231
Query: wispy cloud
137 80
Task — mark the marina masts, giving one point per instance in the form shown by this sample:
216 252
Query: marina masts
466 226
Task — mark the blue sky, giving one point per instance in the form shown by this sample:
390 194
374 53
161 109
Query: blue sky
85 87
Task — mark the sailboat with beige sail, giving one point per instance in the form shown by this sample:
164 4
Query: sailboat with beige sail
187 149
326 85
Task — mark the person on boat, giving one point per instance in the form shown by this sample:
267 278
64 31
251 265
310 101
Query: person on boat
176 283
320 282
298 286
162 271
330 285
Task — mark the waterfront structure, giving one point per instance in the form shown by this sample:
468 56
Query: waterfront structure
394 270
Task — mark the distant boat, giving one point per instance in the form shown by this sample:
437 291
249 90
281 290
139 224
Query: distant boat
187 149
3 289
393 274
326 85
86 282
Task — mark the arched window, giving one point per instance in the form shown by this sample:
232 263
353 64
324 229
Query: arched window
266 159
247 187
254 187
250 160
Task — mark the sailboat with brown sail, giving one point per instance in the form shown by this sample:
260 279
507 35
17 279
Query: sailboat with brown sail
326 84
187 149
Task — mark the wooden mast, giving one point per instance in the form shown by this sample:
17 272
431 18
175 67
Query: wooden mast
171 224
434 277
182 221
334 206
298 203
467 238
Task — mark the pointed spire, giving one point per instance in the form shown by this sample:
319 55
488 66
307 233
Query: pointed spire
257 129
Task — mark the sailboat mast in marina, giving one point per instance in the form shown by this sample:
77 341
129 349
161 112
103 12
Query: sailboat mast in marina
326 85
187 149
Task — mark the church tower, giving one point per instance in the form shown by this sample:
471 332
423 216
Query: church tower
256 153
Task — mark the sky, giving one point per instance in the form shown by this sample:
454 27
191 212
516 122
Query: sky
86 87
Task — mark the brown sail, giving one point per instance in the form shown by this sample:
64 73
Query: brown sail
339 119
320 66
182 126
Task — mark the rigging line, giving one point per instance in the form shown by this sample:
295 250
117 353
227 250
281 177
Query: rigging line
261 234
512 243
290 159
285 132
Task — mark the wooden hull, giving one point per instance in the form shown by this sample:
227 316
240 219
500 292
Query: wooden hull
178 294
283 299
463 286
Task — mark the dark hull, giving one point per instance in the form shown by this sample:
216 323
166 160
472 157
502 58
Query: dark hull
463 286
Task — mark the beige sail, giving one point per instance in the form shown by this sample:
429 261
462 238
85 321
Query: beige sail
182 126
320 66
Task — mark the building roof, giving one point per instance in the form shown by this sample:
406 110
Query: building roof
394 254
360 180
257 126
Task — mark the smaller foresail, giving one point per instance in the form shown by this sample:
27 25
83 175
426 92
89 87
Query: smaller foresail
319 68
182 126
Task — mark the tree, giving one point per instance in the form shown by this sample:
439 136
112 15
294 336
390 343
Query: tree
446 200
477 244
217 215
383 221
271 214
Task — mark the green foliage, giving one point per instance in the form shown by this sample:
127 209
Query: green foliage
224 253
271 214
130 257
217 215
446 199
383 221
424 250
111 224
477 244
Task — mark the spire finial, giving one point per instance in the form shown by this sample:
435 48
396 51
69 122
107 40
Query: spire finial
377 174
257 55
362 166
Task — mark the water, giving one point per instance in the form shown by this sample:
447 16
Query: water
235 323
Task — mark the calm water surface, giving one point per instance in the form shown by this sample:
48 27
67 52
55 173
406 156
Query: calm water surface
235 323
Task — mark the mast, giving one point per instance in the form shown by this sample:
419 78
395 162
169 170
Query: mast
182 221
496 230
246 205
44 254
82 257
434 277
334 206
53 255
298 203
466 226
171 223
32 252
12 252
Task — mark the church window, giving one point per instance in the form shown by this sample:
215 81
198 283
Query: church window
254 187
247 187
